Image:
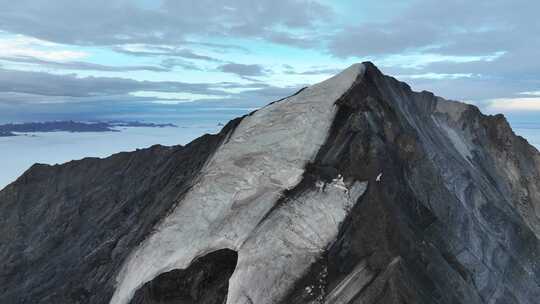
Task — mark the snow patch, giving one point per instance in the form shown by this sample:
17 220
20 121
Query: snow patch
286 245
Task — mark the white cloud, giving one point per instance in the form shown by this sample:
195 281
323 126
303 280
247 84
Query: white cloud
421 60
532 93
438 76
173 97
23 46
514 104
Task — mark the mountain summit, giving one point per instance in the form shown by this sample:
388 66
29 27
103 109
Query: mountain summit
354 190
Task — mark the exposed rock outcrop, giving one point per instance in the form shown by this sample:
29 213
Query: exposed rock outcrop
354 190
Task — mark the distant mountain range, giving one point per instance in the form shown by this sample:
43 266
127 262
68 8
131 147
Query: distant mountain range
74 126
6 134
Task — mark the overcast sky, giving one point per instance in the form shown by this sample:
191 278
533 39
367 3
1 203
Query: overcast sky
101 55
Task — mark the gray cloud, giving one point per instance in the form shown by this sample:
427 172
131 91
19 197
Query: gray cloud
243 70
80 65
378 39
449 27
170 63
40 83
23 91
252 98
314 71
114 22
168 52
284 38
25 107
503 78
218 46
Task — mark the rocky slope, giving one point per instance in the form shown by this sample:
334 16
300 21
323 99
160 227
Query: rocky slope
354 190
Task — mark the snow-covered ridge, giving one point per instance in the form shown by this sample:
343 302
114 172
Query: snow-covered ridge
266 154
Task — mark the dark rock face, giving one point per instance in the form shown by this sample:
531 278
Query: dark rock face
436 227
450 214
206 281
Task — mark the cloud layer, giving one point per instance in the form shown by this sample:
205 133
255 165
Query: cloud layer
481 51
112 22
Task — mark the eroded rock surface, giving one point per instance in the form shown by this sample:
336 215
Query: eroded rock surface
355 190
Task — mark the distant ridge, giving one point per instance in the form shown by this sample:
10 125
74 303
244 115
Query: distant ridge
73 126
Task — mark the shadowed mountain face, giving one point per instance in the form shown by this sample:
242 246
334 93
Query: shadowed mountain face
354 190
205 281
